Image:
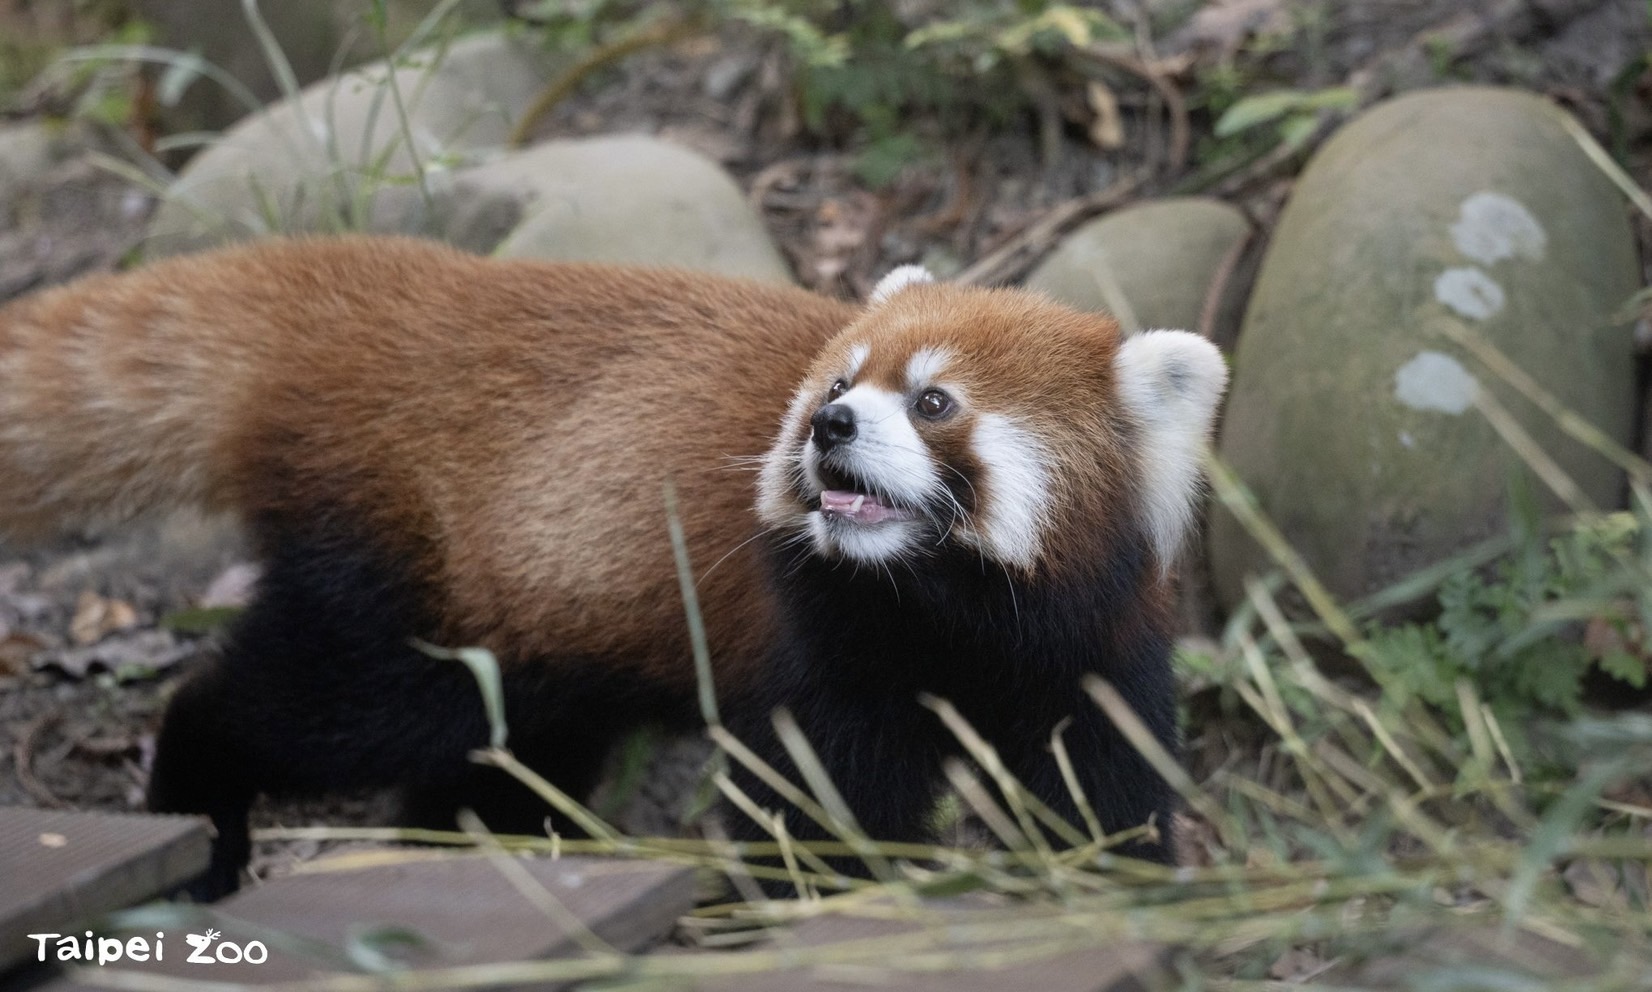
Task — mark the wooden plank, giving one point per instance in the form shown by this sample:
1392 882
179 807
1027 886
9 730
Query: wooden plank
964 932
1520 959
60 867
460 909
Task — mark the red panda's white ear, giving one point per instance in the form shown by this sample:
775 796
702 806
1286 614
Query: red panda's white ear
1172 382
898 279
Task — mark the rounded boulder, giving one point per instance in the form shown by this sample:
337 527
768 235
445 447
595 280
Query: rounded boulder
1150 265
627 198
1357 423
347 153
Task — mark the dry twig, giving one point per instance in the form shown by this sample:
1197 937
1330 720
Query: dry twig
1017 254
663 32
23 757
1174 103
1218 288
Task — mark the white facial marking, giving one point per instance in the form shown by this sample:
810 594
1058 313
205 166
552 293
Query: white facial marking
857 357
776 483
925 366
887 452
897 280
1171 381
1017 481
864 544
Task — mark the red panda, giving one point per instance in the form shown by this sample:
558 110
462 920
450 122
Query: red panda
971 493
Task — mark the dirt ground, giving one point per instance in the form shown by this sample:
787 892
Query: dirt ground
94 635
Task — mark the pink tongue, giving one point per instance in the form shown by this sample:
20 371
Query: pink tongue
858 507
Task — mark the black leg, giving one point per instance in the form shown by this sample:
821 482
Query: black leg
318 690
1121 786
555 741
259 721
883 754
321 690
197 770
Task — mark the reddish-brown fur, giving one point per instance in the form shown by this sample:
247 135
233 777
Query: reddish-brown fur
475 452
501 419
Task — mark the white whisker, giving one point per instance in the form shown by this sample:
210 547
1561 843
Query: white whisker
1015 607
730 553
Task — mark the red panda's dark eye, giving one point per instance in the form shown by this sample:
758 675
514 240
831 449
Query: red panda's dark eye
934 404
838 389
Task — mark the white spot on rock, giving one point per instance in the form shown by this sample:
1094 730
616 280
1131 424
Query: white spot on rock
1491 227
1406 440
1434 381
1470 292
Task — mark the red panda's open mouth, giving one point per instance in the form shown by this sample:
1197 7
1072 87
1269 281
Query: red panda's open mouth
861 508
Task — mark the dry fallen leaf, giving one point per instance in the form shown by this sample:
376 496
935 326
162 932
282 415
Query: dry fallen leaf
1107 128
1225 25
16 650
1607 884
151 650
1296 964
96 617
842 226
1194 839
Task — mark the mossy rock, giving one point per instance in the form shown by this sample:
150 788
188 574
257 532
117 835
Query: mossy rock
627 198
1152 264
1351 416
315 37
323 161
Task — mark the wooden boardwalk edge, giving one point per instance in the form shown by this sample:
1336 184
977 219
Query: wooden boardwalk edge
60 867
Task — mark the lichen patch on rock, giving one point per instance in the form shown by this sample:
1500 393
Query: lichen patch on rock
1435 381
1491 227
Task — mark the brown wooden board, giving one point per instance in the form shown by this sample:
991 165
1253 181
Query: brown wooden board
58 868
957 954
438 911
1485 956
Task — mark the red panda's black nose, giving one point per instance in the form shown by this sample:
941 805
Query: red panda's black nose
833 424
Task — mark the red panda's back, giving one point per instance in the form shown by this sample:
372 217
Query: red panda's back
501 430
513 426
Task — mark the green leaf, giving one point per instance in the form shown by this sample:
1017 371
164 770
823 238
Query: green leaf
951 886
1625 667
882 160
1069 24
134 672
1260 109
1550 675
938 33
1297 129
388 948
1332 98
1299 108
633 758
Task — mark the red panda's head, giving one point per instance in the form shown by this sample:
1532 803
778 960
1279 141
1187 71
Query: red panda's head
997 420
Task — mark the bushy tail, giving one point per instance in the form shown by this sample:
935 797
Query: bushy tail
115 394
